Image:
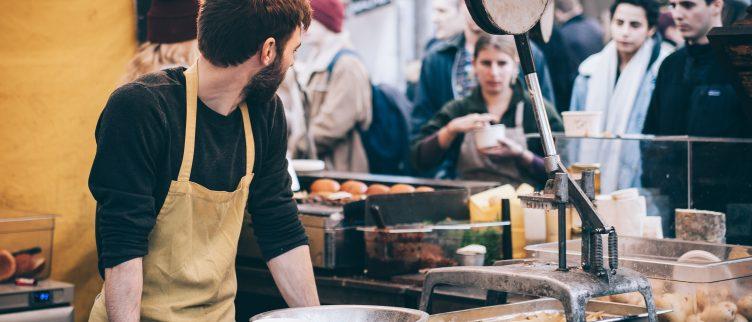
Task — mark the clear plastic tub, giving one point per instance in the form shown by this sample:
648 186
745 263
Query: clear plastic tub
28 238
455 235
690 277
397 250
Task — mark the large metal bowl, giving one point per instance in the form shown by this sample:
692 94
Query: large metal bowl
350 313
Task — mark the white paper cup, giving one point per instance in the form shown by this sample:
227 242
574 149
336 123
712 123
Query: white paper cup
582 123
489 136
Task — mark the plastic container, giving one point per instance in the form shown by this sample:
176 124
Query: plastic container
582 123
398 250
455 235
28 237
489 136
699 276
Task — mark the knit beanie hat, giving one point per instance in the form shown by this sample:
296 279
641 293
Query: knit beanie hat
171 21
330 13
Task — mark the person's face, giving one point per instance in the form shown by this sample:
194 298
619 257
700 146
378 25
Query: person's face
494 70
446 18
264 84
629 28
695 18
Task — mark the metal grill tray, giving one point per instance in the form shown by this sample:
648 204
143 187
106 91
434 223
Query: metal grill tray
500 313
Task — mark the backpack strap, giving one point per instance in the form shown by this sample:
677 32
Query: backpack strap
337 56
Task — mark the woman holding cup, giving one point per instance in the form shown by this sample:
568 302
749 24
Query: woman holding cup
482 137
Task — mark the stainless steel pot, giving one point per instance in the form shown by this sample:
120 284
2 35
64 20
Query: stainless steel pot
350 313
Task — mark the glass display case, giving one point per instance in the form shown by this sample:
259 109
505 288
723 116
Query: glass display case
27 237
677 172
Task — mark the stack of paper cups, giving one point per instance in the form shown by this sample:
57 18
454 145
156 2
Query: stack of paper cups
625 210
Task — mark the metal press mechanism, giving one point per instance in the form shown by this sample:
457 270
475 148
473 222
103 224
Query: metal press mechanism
572 286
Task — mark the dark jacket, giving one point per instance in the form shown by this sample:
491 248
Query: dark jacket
562 67
435 84
584 37
424 154
694 96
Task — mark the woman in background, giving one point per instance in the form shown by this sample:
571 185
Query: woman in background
619 81
449 136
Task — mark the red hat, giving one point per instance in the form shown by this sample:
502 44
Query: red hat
330 13
171 21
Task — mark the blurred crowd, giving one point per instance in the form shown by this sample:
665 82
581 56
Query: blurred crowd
648 68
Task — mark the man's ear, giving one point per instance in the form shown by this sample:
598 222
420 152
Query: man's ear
652 31
269 51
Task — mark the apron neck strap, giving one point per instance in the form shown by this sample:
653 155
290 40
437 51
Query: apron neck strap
191 102
518 114
250 146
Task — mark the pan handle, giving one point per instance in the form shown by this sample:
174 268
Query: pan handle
539 106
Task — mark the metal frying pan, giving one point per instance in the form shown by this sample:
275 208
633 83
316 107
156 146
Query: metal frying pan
506 17
545 26
518 17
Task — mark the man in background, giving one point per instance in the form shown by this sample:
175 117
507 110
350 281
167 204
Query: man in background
694 95
582 34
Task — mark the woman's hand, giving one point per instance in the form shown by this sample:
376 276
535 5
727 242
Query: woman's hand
508 149
470 122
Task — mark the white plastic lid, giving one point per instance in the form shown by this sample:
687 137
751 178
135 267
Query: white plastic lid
472 250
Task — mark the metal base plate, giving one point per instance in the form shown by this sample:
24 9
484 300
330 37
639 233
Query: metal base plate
573 288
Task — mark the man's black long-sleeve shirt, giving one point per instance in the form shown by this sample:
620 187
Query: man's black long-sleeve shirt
140 137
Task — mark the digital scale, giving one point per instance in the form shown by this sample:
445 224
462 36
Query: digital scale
48 301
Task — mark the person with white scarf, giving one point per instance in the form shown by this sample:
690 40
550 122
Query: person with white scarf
619 82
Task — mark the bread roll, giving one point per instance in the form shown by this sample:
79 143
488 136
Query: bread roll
325 186
679 305
745 306
401 188
711 295
424 189
377 189
355 188
721 312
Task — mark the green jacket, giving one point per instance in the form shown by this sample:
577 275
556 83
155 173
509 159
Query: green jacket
424 160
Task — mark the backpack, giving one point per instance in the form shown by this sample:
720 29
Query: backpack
387 140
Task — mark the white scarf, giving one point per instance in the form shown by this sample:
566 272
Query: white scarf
615 101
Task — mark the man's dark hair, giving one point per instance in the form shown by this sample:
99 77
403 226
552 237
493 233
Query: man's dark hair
652 9
231 31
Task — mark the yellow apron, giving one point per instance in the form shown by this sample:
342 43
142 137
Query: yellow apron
189 273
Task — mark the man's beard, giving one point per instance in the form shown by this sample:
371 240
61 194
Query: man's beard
262 86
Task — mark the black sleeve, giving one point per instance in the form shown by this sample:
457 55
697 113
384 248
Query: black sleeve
274 212
425 152
130 137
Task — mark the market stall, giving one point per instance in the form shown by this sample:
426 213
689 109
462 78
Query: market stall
598 277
